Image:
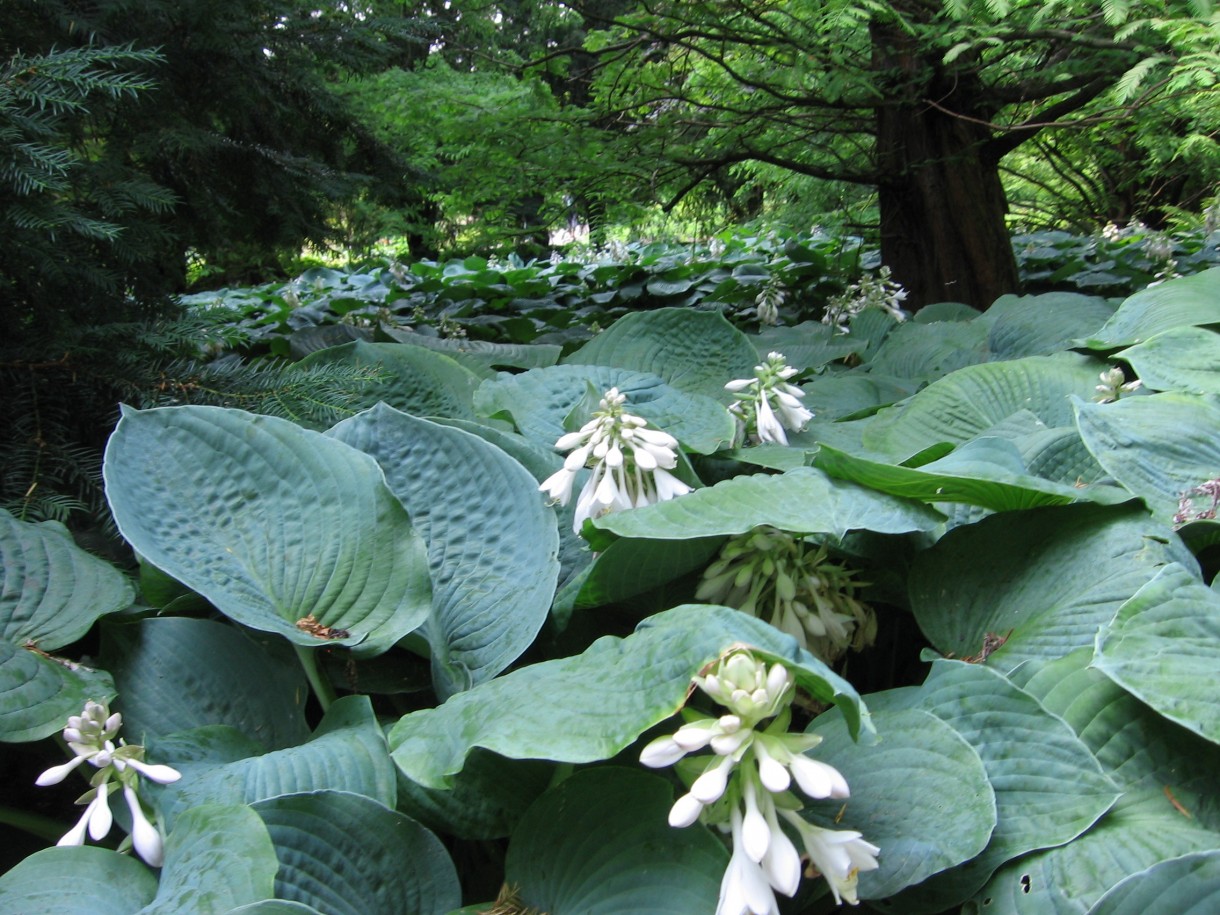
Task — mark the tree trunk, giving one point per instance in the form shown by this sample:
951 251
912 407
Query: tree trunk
943 233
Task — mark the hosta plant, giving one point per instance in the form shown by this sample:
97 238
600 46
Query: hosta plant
560 629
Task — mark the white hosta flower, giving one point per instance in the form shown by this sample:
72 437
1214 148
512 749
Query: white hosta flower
838 855
145 837
870 292
745 889
91 737
629 463
770 404
743 787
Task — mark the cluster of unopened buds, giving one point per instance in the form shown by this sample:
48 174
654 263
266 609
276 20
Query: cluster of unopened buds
91 736
794 586
1114 384
743 788
767 302
630 463
769 405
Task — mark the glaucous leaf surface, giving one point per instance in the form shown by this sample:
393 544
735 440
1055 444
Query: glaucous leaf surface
52 591
1158 447
222 676
207 877
39 692
803 500
1184 302
346 854
485 799
1185 359
347 752
1167 809
1045 580
920 793
1189 885
541 402
592 706
77 880
968 402
1048 786
492 543
272 523
693 351
411 378
1163 647
599 844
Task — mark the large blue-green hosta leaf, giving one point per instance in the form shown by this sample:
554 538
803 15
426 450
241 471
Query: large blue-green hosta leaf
1169 808
592 706
693 351
540 402
968 402
38 692
485 800
1187 301
1046 580
221 676
920 793
803 500
1163 646
806 346
1158 447
412 378
1039 325
1189 885
346 854
1048 786
77 880
347 752
988 472
272 523
1185 359
218 857
481 356
923 352
51 593
599 844
492 543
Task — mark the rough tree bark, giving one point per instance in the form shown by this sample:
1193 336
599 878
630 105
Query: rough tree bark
942 206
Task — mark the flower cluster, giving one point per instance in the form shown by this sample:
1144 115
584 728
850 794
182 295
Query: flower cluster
91 735
772 404
743 788
1113 385
768 301
870 292
775 576
630 463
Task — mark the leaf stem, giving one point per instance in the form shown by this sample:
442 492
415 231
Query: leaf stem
317 682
